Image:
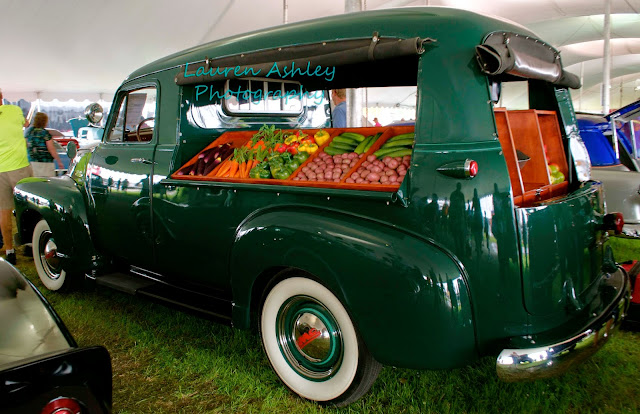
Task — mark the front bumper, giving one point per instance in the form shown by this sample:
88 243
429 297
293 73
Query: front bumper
555 359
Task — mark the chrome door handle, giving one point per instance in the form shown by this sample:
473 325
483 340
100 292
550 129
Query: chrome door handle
142 161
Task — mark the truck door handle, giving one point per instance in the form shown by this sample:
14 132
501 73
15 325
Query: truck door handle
142 161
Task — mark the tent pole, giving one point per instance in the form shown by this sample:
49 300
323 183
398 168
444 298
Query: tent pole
354 96
285 11
606 69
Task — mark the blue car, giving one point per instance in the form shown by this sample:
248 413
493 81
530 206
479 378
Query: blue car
614 154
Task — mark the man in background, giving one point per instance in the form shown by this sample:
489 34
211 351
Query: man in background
339 98
14 166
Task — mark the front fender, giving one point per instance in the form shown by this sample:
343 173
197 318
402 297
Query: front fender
408 297
59 201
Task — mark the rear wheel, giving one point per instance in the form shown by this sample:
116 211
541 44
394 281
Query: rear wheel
313 345
45 257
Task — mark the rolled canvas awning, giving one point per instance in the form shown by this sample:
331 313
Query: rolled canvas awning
524 57
351 51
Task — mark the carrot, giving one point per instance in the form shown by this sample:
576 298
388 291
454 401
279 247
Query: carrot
259 144
234 168
224 168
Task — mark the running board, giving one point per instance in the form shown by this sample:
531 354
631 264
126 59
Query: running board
216 308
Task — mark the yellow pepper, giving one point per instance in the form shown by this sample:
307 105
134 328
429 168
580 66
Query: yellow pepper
321 137
291 138
308 148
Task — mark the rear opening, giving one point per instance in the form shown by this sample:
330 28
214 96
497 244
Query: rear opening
561 244
532 145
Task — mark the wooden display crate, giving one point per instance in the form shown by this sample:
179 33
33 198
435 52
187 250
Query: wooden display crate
240 138
537 135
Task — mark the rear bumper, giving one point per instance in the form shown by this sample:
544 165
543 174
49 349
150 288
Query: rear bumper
554 359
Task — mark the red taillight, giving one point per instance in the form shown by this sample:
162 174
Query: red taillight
613 221
471 168
62 405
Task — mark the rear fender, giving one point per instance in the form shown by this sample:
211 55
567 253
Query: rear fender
407 296
59 201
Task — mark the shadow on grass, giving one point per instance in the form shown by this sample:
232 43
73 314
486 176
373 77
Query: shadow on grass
166 361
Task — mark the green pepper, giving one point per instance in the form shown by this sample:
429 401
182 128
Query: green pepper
292 165
282 174
255 172
301 157
276 162
286 157
265 173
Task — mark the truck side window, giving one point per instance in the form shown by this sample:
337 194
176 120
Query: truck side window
136 117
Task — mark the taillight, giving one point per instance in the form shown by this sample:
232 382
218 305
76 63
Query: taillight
471 168
62 405
613 221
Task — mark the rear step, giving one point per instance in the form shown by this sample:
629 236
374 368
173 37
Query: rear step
216 308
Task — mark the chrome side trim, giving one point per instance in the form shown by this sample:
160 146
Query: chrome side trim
555 359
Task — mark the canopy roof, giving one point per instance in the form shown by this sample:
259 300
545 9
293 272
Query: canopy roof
84 50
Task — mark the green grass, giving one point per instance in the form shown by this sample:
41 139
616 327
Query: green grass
166 361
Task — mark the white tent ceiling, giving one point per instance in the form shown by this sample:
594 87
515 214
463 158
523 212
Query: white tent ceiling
76 49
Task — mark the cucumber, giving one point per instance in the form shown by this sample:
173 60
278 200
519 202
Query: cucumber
373 140
395 152
335 151
361 147
345 140
408 142
353 135
402 136
340 145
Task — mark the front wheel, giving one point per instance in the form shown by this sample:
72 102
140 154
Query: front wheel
313 345
45 257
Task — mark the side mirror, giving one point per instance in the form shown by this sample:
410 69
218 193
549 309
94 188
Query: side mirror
94 113
72 150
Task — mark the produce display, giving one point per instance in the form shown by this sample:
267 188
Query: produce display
272 154
554 169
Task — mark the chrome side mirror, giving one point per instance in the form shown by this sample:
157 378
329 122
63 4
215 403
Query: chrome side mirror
94 113
72 150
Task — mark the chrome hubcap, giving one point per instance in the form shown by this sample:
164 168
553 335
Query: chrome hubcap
49 256
309 338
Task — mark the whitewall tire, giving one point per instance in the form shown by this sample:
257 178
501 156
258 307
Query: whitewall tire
48 264
312 344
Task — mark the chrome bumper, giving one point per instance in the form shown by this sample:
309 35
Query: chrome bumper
551 360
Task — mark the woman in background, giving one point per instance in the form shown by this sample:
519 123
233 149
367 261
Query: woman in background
41 148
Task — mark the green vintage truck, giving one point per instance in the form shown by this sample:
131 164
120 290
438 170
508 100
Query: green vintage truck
490 240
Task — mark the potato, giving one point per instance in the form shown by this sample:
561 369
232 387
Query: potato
350 180
371 158
373 177
376 169
393 164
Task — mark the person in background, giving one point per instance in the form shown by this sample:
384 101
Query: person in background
339 98
14 166
376 122
41 148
